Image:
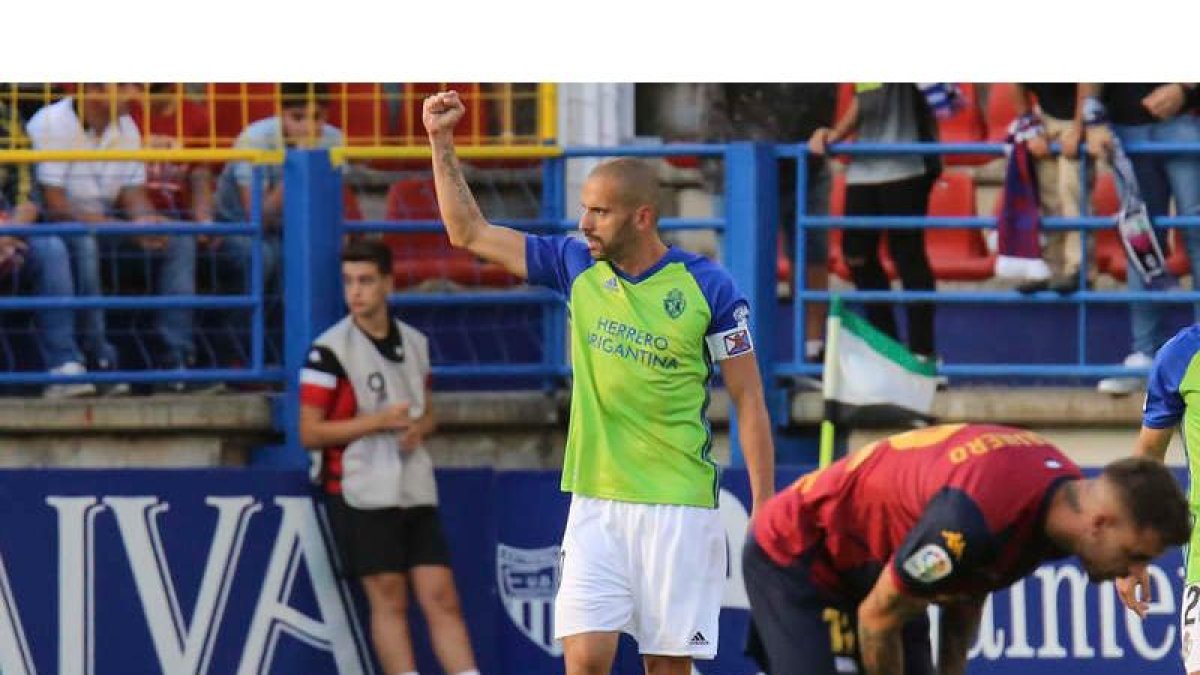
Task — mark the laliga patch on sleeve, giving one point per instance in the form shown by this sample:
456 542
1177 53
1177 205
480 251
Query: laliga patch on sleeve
929 564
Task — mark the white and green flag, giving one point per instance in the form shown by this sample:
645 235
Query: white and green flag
871 379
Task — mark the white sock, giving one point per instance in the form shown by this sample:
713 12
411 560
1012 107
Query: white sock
469 672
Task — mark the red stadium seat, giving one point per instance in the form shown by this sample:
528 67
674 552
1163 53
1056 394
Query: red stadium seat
783 265
1108 253
1001 111
964 126
845 96
1178 262
234 105
837 208
1117 266
957 254
423 256
1104 198
360 110
477 120
350 208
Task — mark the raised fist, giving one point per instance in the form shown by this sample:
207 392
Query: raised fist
441 112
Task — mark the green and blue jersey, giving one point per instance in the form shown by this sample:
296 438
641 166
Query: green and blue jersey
642 350
1173 400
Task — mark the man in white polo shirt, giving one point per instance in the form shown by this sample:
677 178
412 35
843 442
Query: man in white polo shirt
99 192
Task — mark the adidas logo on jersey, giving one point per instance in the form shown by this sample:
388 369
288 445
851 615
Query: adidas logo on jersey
698 640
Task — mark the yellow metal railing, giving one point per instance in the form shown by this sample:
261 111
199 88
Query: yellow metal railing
27 156
343 154
371 115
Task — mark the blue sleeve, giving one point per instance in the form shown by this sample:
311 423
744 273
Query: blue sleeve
729 307
1164 405
555 261
948 544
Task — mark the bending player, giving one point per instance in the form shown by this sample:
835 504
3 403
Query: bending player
940 515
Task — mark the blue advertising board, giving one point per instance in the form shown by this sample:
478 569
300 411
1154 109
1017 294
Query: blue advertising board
231 571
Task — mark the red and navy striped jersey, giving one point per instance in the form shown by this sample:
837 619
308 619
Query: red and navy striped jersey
949 510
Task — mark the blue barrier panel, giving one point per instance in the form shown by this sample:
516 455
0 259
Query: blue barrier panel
312 280
752 208
136 345
230 571
130 572
1082 366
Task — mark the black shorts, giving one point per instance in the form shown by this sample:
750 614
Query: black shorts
386 540
793 625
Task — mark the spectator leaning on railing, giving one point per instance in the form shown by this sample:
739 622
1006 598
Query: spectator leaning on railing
1158 113
301 125
896 185
40 265
101 192
1060 118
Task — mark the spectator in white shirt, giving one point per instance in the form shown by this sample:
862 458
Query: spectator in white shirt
102 192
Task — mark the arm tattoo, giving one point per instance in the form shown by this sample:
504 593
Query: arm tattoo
462 191
882 651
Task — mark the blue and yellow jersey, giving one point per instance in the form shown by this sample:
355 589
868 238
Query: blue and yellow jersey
1173 400
642 350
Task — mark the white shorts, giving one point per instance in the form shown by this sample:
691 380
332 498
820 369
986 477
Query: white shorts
654 571
1189 629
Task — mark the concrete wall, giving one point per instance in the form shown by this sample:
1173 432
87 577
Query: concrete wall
516 430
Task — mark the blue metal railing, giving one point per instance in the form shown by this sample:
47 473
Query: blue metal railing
1082 298
253 300
553 366
749 223
750 190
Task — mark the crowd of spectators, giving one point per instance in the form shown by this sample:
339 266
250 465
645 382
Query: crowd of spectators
162 116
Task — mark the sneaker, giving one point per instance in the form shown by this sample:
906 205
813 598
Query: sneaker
111 388
1066 284
188 386
73 389
1028 287
1123 386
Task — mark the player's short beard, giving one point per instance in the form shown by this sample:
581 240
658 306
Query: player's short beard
617 248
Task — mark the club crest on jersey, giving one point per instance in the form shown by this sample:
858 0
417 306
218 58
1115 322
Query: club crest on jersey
929 564
674 303
528 579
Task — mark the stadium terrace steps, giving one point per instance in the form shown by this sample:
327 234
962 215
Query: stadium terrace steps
1021 406
508 430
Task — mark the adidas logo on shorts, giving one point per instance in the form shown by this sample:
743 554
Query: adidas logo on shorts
698 640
